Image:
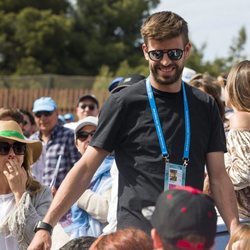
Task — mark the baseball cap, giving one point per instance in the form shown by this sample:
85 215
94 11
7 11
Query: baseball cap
44 104
69 117
114 83
187 74
184 211
89 120
88 96
127 81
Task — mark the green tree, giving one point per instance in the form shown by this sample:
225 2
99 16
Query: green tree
50 37
55 6
111 31
237 49
34 41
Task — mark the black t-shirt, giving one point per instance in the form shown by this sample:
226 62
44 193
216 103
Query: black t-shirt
126 126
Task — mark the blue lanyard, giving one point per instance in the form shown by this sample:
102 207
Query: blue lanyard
157 123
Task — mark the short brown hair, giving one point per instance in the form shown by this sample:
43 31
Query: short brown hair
238 86
13 113
164 25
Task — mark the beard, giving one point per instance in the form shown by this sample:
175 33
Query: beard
169 80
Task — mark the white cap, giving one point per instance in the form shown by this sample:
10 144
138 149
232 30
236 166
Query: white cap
187 74
89 120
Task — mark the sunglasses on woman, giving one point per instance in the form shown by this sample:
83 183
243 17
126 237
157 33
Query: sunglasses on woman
83 135
173 54
18 148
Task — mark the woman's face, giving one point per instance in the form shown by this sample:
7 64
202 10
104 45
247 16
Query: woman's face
83 137
10 149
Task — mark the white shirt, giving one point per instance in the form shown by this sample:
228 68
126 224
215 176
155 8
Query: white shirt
112 217
7 204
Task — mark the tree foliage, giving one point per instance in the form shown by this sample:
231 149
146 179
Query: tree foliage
55 6
91 37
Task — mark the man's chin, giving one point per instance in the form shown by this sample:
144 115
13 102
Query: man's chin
166 80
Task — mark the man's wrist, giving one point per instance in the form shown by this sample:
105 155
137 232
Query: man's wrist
40 225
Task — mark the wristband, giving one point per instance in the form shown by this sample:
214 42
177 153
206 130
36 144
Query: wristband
40 225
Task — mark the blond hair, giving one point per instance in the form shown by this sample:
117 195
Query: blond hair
241 233
238 86
164 25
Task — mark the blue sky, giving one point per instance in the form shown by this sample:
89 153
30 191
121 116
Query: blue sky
214 22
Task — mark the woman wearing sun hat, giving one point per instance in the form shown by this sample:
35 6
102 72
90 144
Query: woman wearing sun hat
23 200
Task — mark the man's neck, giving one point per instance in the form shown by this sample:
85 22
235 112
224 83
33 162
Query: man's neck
171 88
45 136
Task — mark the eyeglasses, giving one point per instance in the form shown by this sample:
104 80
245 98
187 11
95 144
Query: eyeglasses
90 106
83 135
44 113
18 148
173 54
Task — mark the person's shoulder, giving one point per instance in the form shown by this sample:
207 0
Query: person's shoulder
135 89
44 192
197 94
66 131
34 136
240 120
131 94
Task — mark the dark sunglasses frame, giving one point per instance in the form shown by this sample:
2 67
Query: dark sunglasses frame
83 135
90 106
44 113
19 148
173 54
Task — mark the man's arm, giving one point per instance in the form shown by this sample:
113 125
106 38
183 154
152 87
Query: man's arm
222 190
74 184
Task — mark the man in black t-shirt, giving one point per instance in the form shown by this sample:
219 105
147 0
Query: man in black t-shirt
126 126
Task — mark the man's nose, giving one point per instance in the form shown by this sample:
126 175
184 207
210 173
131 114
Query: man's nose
165 59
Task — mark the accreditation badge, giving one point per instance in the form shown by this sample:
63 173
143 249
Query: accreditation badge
175 175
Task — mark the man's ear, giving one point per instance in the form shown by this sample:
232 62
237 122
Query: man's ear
145 51
187 51
158 245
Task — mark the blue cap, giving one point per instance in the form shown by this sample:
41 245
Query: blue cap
69 117
44 104
114 83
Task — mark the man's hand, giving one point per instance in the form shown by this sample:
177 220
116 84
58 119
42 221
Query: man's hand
41 241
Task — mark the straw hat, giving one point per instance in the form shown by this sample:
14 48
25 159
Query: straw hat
11 130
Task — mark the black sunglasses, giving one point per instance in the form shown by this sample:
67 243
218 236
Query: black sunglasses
18 148
173 54
90 106
44 113
83 135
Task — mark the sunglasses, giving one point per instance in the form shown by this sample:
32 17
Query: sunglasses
44 113
173 54
90 106
18 148
83 135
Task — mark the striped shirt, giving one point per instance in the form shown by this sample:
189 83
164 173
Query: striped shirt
60 147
